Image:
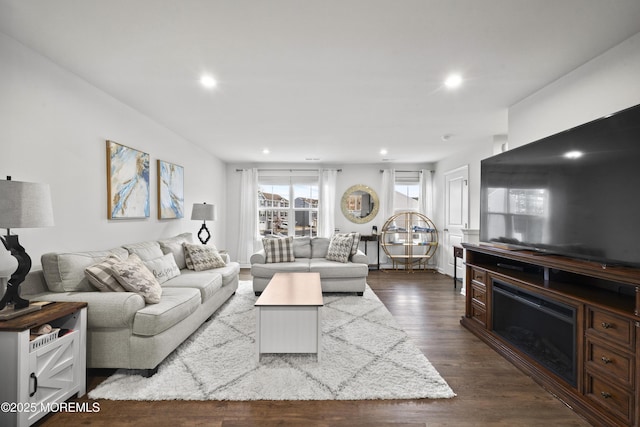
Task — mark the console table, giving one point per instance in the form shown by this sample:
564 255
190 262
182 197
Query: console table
595 367
366 240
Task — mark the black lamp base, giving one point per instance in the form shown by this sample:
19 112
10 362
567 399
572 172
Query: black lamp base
205 232
12 295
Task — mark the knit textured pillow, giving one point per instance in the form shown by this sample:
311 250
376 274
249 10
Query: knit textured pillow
134 276
201 257
340 248
279 249
356 241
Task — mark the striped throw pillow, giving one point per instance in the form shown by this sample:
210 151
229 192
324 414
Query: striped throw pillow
100 275
279 249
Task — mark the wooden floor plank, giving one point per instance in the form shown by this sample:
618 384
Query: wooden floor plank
490 390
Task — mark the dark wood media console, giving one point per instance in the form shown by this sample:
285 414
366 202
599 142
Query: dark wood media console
597 306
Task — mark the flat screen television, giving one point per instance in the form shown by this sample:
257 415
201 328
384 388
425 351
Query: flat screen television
575 193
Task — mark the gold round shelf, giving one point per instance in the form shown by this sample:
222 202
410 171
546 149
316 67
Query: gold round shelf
409 239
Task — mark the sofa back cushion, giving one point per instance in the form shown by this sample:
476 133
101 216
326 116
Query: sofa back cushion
145 250
64 272
319 247
302 247
174 246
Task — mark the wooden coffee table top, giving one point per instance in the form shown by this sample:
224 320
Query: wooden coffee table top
292 289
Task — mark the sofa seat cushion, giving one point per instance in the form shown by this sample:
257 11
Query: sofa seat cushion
268 270
229 272
175 305
207 282
333 269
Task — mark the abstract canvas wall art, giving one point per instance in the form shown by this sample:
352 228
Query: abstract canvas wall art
170 190
127 182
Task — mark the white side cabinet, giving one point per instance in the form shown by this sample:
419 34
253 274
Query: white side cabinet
38 375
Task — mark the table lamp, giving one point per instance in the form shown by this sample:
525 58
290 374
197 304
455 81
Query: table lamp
203 212
22 205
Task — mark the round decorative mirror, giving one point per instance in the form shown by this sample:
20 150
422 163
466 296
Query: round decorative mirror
360 204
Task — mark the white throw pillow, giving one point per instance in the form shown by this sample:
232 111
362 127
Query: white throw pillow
163 268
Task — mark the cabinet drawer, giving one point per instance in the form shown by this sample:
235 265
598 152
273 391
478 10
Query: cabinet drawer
611 326
479 276
478 313
616 400
479 293
615 364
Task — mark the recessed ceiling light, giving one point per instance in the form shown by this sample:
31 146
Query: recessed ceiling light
265 151
208 81
383 152
453 81
573 154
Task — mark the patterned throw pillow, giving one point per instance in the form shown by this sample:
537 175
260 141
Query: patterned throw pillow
100 275
134 276
340 248
163 268
201 257
279 249
356 241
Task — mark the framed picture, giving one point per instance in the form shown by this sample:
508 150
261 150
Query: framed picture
127 182
170 190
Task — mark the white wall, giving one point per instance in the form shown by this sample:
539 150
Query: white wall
352 174
604 85
53 127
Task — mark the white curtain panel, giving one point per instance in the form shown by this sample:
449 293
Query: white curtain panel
248 215
388 192
327 202
426 192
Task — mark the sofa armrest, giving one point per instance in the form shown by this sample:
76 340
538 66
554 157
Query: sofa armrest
258 258
104 310
360 258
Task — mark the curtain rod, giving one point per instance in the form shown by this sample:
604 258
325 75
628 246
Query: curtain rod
418 171
288 170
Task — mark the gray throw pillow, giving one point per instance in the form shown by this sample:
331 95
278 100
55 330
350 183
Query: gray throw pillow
134 276
201 257
278 250
101 276
356 241
340 248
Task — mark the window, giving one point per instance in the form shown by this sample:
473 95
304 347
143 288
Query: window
407 192
278 215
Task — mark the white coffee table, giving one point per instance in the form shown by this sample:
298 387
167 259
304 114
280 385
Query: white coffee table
288 315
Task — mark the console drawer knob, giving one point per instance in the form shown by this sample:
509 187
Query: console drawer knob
605 394
605 360
606 325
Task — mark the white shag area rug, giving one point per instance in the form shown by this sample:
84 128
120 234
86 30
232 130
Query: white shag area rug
365 355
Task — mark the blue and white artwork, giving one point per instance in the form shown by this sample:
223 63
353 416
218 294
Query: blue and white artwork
127 182
170 190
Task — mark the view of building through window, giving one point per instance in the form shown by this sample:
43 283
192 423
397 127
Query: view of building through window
279 216
407 197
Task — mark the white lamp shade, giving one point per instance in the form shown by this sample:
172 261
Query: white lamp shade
203 212
8 263
25 205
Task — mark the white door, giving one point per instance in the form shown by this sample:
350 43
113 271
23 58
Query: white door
456 202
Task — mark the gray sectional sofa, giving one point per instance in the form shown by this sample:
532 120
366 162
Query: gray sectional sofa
123 331
310 256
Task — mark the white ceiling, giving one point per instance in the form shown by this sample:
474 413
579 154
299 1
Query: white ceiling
336 80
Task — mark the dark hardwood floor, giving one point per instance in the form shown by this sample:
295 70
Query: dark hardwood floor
490 391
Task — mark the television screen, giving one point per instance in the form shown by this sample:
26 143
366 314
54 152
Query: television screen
576 193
